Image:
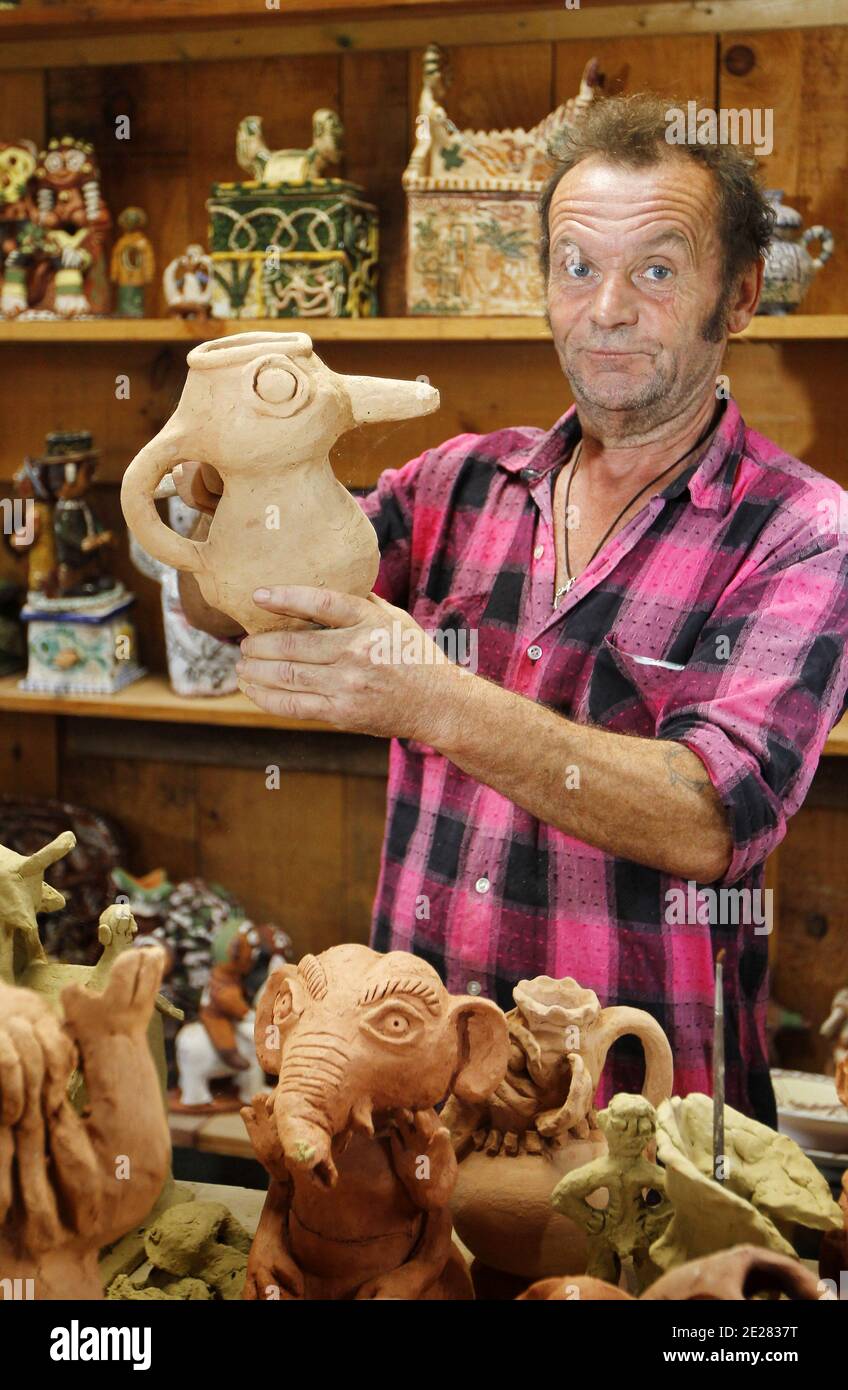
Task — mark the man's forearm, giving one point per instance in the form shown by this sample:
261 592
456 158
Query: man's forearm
649 800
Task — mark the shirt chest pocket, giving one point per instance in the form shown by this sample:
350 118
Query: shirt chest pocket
629 690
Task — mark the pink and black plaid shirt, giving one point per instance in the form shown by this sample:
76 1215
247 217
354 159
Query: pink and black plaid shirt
716 618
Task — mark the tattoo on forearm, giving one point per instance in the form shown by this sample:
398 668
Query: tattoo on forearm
677 760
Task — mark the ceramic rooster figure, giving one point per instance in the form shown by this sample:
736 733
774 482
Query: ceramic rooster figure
362 1168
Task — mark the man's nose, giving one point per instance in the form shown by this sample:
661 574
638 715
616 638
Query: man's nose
614 302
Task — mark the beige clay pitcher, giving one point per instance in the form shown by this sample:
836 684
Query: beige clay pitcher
540 1124
265 412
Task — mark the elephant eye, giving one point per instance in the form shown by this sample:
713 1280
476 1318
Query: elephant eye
283 1006
394 1023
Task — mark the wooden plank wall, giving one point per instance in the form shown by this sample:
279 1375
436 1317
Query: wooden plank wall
307 854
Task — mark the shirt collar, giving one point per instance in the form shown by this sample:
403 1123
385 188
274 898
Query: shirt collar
709 479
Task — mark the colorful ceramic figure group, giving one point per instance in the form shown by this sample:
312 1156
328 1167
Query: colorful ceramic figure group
56 230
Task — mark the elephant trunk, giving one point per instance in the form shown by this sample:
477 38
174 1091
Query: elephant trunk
308 1108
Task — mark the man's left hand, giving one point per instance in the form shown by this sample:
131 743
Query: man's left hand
369 668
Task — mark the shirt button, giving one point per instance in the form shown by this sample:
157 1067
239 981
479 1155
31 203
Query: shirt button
538 552
482 885
534 652
474 987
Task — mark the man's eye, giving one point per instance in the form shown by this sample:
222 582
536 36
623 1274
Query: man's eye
661 276
578 270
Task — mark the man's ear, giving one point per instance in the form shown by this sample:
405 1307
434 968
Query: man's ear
266 1034
482 1048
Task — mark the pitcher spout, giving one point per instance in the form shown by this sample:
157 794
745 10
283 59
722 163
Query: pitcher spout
374 398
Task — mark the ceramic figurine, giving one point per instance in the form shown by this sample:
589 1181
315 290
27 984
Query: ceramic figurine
198 664
133 265
195 1250
265 411
23 894
291 242
539 1125
737 1275
472 223
80 637
636 1210
220 1043
769 1185
18 163
835 1028
789 267
364 1047
71 1182
290 166
187 282
77 226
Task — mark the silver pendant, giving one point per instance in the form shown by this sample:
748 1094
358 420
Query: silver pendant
561 592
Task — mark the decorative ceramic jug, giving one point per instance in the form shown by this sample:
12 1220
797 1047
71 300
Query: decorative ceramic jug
265 411
539 1125
789 265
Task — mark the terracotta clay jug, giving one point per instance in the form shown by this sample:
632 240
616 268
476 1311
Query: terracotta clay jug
540 1124
265 412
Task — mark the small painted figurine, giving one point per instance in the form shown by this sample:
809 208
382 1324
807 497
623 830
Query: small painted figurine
290 166
619 1234
80 538
70 207
188 283
133 264
223 1002
17 211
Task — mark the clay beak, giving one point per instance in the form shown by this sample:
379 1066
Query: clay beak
381 398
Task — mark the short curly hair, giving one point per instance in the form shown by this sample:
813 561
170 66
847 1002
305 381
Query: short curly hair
631 131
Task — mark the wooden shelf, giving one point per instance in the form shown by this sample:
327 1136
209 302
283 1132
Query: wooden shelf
765 328
92 33
152 698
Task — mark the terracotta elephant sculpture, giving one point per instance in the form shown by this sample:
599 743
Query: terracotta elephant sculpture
364 1046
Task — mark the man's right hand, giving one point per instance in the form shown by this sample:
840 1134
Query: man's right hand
198 485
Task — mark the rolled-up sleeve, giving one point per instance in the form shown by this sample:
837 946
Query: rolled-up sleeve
763 688
389 508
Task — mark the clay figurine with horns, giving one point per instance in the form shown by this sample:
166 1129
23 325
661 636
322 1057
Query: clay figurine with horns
264 411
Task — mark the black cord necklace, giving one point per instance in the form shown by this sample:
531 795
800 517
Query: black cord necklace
569 578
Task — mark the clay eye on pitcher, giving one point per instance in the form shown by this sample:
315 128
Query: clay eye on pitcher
280 386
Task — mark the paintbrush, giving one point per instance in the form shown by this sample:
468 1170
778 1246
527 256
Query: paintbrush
718 1070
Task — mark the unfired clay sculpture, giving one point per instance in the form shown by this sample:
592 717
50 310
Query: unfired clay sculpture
195 1250
365 1045
540 1124
265 411
636 1211
70 1183
835 1027
734 1275
23 893
769 1185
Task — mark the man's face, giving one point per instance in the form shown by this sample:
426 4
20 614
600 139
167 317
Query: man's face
635 278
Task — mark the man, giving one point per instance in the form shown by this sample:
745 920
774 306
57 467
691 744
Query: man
660 604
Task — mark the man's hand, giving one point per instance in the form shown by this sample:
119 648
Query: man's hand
371 669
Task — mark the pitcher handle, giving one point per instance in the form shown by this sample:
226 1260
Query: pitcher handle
141 479
619 1019
826 237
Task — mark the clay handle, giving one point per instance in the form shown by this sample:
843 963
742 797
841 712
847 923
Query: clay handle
141 479
826 237
617 1020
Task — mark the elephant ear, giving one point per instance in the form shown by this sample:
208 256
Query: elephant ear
265 1032
482 1048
